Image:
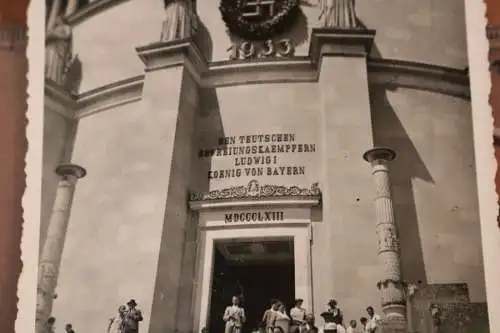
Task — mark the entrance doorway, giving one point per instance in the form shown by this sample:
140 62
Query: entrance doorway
257 271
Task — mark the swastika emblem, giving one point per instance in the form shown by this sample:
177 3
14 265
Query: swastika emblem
258 9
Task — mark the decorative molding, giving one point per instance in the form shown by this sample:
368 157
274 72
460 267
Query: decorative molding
393 73
93 8
59 100
420 76
340 42
388 72
255 190
110 96
161 55
256 71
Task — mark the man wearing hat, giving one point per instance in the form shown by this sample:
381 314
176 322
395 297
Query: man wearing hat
132 318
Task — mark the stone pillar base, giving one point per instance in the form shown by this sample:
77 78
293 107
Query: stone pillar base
396 324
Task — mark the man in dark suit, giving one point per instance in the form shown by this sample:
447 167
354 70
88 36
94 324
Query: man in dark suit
132 318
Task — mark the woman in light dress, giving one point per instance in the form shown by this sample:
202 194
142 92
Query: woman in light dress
234 316
339 14
116 323
298 315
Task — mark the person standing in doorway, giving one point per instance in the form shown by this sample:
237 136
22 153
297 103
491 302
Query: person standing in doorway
268 317
298 314
132 318
234 316
282 319
373 321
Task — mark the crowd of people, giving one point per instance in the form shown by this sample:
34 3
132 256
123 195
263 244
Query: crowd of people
126 321
276 319
50 326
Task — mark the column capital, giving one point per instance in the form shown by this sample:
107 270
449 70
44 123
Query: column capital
161 55
64 170
340 42
379 153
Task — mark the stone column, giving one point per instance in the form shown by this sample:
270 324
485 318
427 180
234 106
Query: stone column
72 7
50 259
54 11
392 289
411 290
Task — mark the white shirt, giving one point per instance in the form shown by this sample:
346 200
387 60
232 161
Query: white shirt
298 314
373 323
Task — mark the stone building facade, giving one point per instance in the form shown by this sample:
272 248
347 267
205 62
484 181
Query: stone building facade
203 150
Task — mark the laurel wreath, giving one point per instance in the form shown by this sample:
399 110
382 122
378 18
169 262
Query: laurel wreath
243 28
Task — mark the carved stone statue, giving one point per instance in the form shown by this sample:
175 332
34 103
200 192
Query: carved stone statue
58 50
338 14
180 20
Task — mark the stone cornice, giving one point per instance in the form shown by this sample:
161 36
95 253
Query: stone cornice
340 42
110 96
255 71
394 73
255 194
59 100
408 74
93 8
168 54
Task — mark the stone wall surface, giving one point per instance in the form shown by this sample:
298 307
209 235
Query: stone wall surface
433 184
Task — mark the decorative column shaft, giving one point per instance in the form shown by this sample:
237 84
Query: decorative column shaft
71 7
54 12
392 289
50 259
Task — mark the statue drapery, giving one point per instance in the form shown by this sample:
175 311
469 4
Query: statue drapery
180 20
338 14
57 51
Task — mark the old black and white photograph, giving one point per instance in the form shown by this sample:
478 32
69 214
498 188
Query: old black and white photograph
259 166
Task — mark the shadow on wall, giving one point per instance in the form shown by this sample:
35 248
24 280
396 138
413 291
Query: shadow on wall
209 117
408 165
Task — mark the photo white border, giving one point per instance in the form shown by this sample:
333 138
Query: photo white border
485 162
27 285
482 122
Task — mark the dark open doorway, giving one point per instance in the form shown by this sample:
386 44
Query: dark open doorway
257 276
